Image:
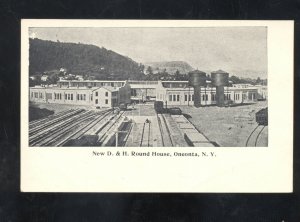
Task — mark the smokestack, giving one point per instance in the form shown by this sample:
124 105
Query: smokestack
219 80
196 80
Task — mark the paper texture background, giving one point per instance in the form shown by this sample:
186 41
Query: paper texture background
239 169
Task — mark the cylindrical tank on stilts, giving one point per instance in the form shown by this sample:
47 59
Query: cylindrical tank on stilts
219 80
196 80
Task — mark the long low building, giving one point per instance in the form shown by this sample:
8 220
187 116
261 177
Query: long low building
179 93
106 93
102 97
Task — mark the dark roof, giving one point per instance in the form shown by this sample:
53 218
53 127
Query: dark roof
219 71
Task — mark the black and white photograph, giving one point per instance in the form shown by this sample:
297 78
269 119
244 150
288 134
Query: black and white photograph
164 106
148 86
122 110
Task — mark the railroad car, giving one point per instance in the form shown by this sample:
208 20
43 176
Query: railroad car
175 111
123 106
262 117
159 106
124 96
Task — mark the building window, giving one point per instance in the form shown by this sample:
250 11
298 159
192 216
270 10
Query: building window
84 97
71 96
65 96
96 93
244 96
170 97
174 97
192 97
106 101
203 97
77 96
178 97
185 98
106 93
96 101
60 96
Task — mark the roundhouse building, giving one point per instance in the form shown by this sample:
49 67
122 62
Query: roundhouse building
103 97
143 90
140 90
180 93
71 95
108 93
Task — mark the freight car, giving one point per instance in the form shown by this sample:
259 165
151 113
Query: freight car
124 97
159 106
175 111
262 117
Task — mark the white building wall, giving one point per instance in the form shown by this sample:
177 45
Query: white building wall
105 98
185 96
61 96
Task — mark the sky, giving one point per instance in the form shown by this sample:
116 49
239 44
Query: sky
237 50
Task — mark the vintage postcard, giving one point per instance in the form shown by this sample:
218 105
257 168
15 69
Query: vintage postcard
156 106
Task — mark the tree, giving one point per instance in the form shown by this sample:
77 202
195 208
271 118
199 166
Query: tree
258 81
149 71
235 79
141 68
52 79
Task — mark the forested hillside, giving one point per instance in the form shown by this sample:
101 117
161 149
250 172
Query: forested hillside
81 59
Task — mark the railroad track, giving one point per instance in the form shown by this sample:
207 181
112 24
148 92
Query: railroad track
128 134
38 122
82 130
52 122
54 132
254 136
164 131
108 129
55 139
145 138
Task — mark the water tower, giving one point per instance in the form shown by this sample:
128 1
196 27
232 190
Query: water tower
196 80
219 80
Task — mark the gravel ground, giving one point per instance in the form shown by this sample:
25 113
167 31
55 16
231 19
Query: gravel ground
229 127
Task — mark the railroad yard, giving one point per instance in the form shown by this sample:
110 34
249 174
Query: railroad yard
140 126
